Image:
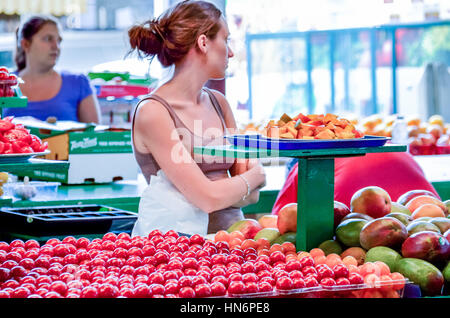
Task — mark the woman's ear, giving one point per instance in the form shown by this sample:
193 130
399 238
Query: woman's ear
24 44
202 43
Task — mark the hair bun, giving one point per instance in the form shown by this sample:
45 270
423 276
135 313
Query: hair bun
145 40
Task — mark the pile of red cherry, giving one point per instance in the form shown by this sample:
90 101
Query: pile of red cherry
160 265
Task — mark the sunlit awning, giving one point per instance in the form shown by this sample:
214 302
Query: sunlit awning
54 7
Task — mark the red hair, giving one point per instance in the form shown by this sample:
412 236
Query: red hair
175 32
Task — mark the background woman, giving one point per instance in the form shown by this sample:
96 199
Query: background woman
50 93
187 192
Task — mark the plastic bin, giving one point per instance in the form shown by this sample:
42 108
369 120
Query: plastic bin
43 190
61 220
391 289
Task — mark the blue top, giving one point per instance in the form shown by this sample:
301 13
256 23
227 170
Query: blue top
64 106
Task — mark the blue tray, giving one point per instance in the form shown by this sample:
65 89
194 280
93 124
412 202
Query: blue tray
259 141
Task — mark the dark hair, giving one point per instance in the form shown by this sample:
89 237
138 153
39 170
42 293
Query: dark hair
172 35
27 31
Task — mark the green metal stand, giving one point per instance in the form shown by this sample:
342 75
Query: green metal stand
315 215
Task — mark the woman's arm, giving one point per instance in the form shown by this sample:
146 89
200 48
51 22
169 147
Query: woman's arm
155 133
89 110
240 165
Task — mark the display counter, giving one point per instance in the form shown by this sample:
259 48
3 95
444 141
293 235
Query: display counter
125 194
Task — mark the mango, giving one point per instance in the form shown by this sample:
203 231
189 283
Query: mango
271 234
422 273
331 246
286 237
347 232
384 254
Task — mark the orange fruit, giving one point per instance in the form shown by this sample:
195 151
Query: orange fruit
385 283
222 236
235 242
316 252
237 234
263 243
398 280
350 260
300 255
249 243
431 210
353 269
275 247
321 259
263 251
372 280
384 269
368 268
420 200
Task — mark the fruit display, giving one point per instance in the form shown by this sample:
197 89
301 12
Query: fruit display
169 265
411 235
16 139
7 83
313 126
428 137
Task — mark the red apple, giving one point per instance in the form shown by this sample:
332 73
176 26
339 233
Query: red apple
372 200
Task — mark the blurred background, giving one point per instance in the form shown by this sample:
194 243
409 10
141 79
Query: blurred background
352 58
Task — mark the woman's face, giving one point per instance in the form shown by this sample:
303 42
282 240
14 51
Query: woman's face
44 47
220 52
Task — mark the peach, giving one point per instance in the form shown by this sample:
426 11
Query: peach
431 210
287 218
268 220
425 199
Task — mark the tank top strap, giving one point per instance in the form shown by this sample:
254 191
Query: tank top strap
216 105
163 102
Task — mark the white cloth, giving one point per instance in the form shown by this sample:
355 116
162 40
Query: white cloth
165 208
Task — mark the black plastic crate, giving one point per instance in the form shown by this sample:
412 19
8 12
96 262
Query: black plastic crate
61 220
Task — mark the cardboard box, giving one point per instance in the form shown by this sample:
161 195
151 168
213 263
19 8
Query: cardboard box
96 153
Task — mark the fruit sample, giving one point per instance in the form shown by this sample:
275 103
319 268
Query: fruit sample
373 201
422 273
312 126
384 231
